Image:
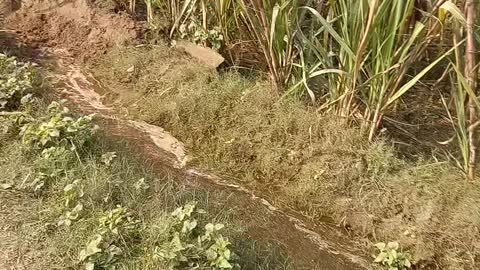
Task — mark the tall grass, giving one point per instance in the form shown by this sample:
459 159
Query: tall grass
370 45
350 57
273 24
463 78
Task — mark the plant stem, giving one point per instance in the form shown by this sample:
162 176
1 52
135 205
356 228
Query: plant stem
10 113
132 6
471 76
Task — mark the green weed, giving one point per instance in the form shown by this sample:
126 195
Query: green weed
17 81
190 246
103 250
58 129
391 256
96 195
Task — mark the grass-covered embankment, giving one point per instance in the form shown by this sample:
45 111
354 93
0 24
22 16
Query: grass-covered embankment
76 200
301 158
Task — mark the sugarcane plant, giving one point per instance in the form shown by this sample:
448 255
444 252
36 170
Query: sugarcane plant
365 49
352 58
471 67
273 25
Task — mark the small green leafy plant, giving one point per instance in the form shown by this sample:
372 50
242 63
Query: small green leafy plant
392 257
190 246
141 185
199 35
72 194
17 80
117 222
108 157
103 251
58 128
70 215
57 135
49 166
98 254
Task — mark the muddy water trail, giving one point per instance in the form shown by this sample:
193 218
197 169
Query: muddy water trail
320 246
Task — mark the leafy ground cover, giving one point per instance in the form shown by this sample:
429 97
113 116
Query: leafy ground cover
77 201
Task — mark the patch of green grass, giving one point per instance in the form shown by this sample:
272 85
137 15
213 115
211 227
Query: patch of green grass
106 186
100 207
302 159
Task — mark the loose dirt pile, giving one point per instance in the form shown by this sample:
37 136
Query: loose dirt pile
78 27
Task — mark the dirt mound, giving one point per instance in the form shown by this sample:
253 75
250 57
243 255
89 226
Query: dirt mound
75 25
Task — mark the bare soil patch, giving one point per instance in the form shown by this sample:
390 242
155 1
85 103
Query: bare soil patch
84 31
